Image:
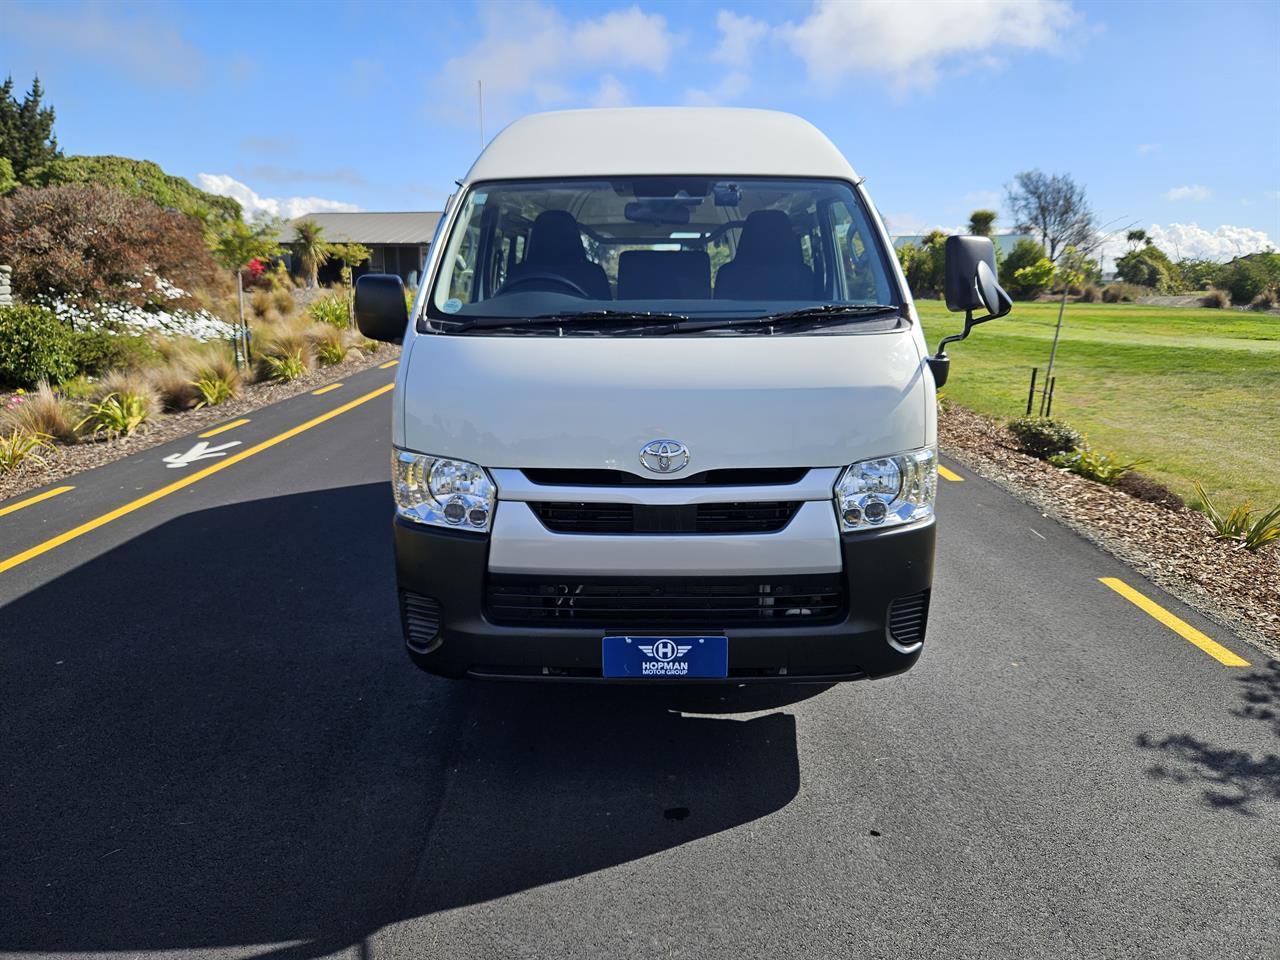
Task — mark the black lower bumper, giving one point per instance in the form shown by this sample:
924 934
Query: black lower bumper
887 573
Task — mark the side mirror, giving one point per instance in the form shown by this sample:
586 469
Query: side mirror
970 285
381 313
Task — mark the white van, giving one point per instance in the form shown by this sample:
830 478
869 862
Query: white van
664 410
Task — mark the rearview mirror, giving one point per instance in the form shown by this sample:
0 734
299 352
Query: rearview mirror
971 285
381 313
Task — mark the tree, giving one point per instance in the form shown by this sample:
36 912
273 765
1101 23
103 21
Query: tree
7 180
1054 208
1025 253
1149 267
86 244
310 248
980 222
1032 280
142 178
242 242
1136 237
924 264
350 255
26 129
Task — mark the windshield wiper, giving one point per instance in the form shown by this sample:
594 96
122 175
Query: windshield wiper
584 321
836 311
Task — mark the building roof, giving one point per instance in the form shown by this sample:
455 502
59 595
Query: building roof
408 227
632 141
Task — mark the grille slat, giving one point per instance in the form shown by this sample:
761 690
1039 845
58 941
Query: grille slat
908 617
704 518
729 477
715 602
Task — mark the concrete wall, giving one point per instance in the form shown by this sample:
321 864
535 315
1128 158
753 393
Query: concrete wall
6 291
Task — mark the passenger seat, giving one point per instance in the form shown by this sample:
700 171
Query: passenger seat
769 264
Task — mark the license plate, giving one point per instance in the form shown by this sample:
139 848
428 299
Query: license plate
655 657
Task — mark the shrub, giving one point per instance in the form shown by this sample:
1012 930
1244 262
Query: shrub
1091 293
1264 301
1148 266
1025 253
260 301
97 351
1094 464
330 344
1043 436
283 342
286 367
1250 276
1217 299
174 385
1031 280
1239 523
1123 292
217 380
19 447
35 346
123 401
283 301
42 412
330 310
87 244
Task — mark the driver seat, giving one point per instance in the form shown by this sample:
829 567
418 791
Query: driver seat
555 246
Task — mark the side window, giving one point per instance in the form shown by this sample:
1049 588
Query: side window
855 266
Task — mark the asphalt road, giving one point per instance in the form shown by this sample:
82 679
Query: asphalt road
212 745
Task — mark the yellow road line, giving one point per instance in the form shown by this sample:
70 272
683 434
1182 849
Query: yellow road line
388 364
223 429
1180 627
332 386
13 507
946 474
90 525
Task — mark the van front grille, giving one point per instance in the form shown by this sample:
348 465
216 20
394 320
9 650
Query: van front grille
704 602
705 518
727 477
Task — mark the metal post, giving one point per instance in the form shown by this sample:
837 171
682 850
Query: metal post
1031 393
240 332
1053 351
1048 411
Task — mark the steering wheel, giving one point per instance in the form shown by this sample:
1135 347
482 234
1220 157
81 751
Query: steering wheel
547 276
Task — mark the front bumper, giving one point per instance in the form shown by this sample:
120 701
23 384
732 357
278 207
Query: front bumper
442 581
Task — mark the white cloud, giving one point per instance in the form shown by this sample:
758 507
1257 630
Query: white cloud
531 50
1273 194
730 88
1192 192
610 93
254 205
1147 147
739 36
908 224
910 41
1180 240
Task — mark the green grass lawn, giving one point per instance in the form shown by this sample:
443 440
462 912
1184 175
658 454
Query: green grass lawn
1196 392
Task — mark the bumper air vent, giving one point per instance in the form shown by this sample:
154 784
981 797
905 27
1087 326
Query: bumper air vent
421 619
705 518
706 602
907 618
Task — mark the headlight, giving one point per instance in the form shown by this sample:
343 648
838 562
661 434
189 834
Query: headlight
888 491
442 492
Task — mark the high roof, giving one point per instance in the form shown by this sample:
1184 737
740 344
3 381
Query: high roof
629 141
371 227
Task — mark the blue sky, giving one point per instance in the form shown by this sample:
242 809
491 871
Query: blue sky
1169 113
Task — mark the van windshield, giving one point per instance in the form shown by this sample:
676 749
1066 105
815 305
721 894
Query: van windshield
685 248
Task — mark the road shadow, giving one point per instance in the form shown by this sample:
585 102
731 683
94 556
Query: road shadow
1230 779
212 738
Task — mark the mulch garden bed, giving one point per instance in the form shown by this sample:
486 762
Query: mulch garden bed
64 460
1169 544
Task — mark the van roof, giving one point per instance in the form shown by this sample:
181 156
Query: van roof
636 141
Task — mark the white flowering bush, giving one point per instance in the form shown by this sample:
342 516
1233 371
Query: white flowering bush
156 316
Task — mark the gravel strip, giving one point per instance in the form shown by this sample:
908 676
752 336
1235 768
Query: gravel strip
64 460
1176 549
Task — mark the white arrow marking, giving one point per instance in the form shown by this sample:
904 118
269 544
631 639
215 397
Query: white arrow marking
201 451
